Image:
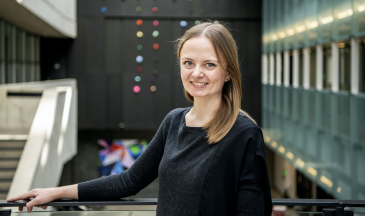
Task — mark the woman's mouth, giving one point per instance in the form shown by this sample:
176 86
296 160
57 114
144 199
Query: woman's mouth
198 84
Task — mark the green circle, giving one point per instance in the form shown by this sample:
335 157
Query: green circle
155 33
139 47
202 11
197 22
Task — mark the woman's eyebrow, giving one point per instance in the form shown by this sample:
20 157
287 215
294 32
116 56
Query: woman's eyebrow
203 61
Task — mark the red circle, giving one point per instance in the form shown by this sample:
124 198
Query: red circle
156 46
154 9
139 22
139 69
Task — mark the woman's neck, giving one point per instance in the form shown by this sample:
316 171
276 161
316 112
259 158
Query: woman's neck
203 110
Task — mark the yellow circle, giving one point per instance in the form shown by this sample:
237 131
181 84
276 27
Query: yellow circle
153 88
138 9
139 34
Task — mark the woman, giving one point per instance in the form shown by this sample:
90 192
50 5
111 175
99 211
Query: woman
209 158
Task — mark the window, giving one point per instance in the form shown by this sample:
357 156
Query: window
362 67
327 61
301 65
344 67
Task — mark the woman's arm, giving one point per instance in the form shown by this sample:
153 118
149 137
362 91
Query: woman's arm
46 195
250 202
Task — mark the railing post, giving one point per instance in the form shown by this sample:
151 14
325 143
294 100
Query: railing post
340 211
5 212
329 212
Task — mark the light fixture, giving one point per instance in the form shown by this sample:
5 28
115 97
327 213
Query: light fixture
290 32
282 35
281 149
267 139
274 144
361 8
338 189
139 34
300 162
274 37
312 171
345 13
326 181
313 24
300 29
290 155
326 20
341 45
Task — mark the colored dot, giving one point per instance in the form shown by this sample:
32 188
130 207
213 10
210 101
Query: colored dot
183 23
156 46
197 22
191 11
138 9
103 9
155 72
154 9
155 33
216 22
137 78
136 89
139 34
139 47
202 11
139 22
153 79
153 88
155 59
139 59
139 69
155 23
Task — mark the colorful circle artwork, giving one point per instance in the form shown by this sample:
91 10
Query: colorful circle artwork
139 47
139 59
139 34
139 22
202 11
103 9
153 79
153 88
154 9
139 69
155 72
136 89
156 46
197 22
155 33
183 23
155 23
137 78
138 9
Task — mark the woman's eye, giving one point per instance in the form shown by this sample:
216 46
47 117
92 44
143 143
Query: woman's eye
210 65
188 63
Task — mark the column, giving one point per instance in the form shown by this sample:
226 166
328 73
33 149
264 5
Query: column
306 72
286 69
295 69
264 69
272 68
278 69
354 66
335 59
319 67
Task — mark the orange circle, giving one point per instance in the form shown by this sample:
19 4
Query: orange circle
156 46
139 22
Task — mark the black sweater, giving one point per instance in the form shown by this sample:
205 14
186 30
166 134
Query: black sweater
184 162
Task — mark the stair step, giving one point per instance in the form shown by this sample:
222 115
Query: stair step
15 143
6 174
9 164
3 196
5 185
10 153
13 137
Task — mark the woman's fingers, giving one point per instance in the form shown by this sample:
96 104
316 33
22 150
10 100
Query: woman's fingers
26 195
20 208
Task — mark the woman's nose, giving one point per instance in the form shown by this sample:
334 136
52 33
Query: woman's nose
197 72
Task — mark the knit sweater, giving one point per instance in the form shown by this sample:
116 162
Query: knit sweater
180 156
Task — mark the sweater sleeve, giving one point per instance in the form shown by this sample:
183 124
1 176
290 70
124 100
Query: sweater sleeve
250 202
131 181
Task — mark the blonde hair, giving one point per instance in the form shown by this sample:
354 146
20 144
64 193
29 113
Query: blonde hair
226 50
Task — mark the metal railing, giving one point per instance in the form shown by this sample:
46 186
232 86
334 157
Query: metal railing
338 206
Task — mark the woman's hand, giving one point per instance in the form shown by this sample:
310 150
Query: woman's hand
45 195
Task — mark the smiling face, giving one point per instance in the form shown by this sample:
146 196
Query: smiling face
201 72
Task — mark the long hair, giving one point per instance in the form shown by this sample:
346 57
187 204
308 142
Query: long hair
226 50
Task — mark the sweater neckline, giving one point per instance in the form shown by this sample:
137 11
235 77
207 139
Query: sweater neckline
188 127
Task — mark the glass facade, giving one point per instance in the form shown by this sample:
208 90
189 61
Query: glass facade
19 55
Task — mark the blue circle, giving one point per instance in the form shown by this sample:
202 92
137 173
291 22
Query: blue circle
103 9
139 59
137 78
183 23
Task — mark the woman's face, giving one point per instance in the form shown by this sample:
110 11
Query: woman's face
201 73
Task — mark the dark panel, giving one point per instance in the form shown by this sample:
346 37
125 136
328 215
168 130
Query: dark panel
93 50
96 101
113 47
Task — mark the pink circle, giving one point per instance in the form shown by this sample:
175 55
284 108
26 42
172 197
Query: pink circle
136 89
155 23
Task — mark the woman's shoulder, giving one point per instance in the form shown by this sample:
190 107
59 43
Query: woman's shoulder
177 113
245 124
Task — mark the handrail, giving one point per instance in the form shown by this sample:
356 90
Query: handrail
153 201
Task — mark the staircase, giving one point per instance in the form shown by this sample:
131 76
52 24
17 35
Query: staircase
11 148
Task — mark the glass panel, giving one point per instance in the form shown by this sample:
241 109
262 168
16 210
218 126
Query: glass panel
327 62
299 23
344 65
343 14
312 67
325 17
362 67
358 27
311 21
289 27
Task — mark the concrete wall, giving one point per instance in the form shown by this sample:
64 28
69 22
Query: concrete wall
288 182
